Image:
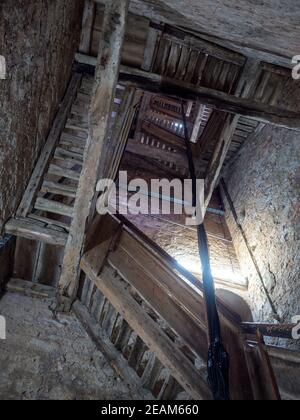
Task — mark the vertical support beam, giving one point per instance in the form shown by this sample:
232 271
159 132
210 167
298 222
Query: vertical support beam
151 47
87 26
106 78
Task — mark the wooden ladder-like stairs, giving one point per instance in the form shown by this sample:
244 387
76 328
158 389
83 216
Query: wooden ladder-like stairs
46 210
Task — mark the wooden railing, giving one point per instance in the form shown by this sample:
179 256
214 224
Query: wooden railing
163 305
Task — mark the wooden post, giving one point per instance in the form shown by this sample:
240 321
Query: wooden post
106 78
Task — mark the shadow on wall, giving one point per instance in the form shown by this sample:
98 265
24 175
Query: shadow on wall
7 245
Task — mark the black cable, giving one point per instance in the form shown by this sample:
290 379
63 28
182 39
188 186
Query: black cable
218 359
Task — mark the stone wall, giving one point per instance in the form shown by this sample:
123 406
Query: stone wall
38 40
264 186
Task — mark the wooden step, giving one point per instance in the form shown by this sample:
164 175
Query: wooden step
58 189
53 207
32 230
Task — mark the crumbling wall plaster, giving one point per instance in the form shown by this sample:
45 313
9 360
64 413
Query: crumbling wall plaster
38 40
263 182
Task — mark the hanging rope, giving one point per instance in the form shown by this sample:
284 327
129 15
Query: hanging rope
218 359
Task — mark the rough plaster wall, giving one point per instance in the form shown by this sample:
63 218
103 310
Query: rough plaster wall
264 185
38 40
48 358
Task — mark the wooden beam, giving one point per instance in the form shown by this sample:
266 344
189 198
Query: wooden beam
219 157
106 79
115 358
87 26
161 300
151 47
28 288
53 138
216 99
166 137
249 108
55 207
244 89
157 341
31 230
197 125
179 159
269 330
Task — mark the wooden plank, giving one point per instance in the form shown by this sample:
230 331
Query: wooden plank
28 288
114 357
219 157
182 370
197 125
179 159
262 376
63 173
28 229
162 301
206 47
53 138
87 26
218 100
74 157
106 79
168 138
55 207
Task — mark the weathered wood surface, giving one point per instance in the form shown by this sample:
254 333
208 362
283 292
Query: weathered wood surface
269 330
217 100
191 331
53 138
183 371
179 159
114 357
106 79
249 108
29 229
53 207
142 259
28 288
219 157
87 26
263 381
